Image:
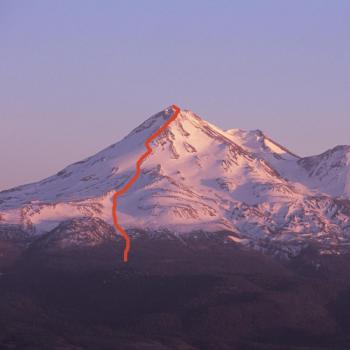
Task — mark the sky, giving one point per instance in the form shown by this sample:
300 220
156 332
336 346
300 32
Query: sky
77 76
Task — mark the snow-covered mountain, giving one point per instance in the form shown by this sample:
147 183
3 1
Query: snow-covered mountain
198 178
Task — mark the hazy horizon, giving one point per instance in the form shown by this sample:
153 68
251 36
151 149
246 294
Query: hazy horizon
77 77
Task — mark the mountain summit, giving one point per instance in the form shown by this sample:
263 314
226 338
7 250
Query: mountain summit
199 178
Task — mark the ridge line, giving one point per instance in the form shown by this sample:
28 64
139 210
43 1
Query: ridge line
135 177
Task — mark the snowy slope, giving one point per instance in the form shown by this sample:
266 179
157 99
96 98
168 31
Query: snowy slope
329 172
198 178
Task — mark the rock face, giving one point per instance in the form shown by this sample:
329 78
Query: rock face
198 179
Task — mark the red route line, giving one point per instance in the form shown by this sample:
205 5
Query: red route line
135 177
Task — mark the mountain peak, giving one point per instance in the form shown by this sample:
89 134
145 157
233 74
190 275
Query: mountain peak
155 121
259 143
198 177
340 148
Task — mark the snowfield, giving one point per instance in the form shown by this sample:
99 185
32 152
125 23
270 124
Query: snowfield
198 178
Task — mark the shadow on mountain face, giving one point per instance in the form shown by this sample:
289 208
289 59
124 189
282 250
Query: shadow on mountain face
171 295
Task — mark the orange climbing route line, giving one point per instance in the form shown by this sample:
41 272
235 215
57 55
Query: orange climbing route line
135 177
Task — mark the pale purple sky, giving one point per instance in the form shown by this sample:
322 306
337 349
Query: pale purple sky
76 76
